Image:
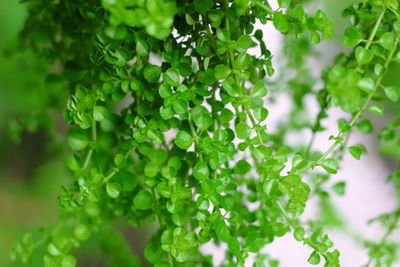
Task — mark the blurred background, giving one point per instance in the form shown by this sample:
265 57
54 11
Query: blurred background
32 153
31 171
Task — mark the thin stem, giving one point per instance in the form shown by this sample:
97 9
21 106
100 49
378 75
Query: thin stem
170 260
253 122
293 226
314 130
389 231
108 177
285 215
352 122
374 31
87 159
244 106
196 137
94 131
115 169
290 222
266 8
90 152
310 144
358 114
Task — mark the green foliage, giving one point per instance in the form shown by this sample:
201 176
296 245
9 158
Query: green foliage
173 152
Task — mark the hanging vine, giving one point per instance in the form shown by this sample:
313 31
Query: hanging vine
168 114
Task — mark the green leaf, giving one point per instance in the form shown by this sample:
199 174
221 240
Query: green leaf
261 152
392 93
387 40
280 229
315 38
99 113
284 3
342 85
189 19
245 42
234 246
260 114
82 232
181 256
356 151
74 163
280 22
77 140
180 106
135 85
158 156
299 233
226 115
323 24
165 90
143 200
343 126
314 258
119 160
298 161
339 188
142 47
216 16
125 86
152 73
202 203
113 190
259 90
221 72
175 162
231 87
201 117
151 169
396 58
68 261
183 139
351 37
222 231
206 77
393 4
242 130
376 109
365 126
155 136
171 77
242 61
242 167
223 35
330 165
153 252
396 25
202 6
363 56
128 179
201 171
367 84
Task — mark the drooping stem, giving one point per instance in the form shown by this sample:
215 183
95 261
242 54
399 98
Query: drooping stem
342 134
388 232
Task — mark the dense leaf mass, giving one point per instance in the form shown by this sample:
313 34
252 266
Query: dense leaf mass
191 99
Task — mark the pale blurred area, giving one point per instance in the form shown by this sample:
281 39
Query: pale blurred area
367 192
31 172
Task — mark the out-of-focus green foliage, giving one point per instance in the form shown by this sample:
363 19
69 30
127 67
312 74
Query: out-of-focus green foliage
27 192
